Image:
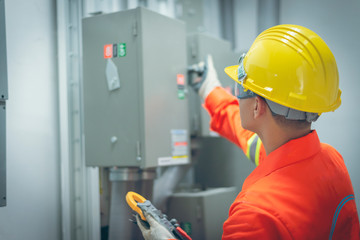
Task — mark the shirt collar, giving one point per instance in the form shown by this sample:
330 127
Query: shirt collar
291 152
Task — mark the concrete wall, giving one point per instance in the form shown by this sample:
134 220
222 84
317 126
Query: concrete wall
336 22
33 186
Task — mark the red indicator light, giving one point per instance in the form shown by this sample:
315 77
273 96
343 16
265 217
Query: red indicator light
108 50
180 79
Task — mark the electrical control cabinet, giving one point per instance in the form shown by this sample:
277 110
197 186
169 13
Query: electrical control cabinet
203 213
199 45
3 65
135 90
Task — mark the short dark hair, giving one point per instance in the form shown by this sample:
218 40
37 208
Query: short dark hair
287 123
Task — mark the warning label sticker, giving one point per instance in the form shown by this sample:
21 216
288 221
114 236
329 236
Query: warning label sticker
179 149
179 142
168 161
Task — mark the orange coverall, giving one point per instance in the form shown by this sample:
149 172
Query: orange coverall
302 190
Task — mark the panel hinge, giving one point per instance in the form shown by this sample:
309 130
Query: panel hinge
134 29
138 151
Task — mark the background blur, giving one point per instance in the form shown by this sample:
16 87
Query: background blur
43 141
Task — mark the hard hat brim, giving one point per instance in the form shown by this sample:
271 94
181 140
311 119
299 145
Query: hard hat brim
232 72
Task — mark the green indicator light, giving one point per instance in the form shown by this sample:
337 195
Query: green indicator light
122 50
181 94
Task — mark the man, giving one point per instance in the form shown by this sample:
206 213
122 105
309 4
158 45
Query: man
301 188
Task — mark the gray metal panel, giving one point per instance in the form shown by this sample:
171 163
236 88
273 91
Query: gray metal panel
199 46
3 64
2 153
194 99
146 107
191 12
114 113
164 57
229 165
203 212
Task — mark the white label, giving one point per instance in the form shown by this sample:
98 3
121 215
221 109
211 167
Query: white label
168 161
179 142
112 75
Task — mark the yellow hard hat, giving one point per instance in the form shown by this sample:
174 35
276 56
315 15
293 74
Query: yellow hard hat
292 66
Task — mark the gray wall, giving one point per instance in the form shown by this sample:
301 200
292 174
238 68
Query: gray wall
245 24
337 23
33 196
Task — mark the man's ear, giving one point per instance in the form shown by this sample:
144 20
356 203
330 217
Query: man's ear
259 107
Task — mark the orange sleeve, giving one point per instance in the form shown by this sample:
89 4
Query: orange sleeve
249 222
225 119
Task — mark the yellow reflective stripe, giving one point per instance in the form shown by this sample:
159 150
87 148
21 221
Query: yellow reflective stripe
249 143
257 153
253 149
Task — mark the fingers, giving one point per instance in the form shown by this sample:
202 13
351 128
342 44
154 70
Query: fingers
152 222
141 224
210 62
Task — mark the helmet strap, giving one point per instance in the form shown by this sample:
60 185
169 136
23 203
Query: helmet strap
290 113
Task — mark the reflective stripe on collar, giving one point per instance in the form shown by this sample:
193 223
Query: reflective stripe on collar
253 149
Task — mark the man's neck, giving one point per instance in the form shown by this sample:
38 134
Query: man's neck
275 137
